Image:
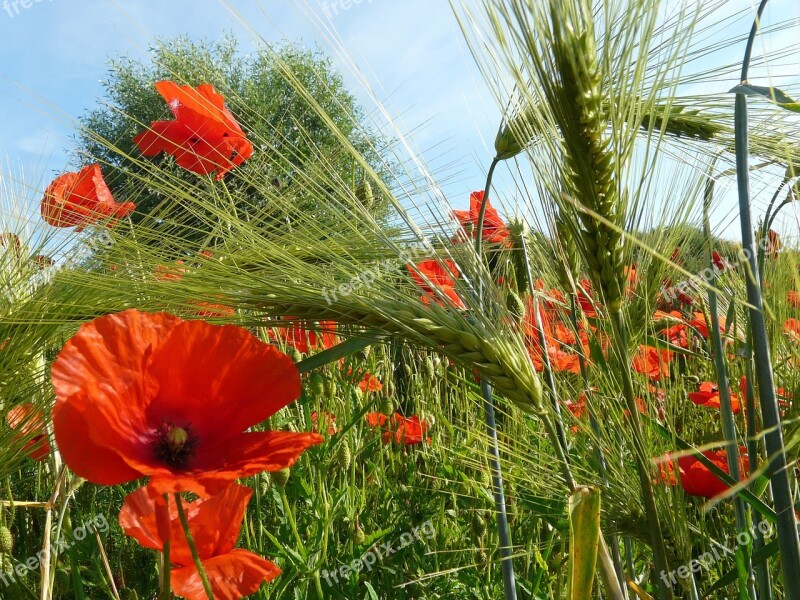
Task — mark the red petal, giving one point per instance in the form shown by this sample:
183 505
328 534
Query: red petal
219 379
232 576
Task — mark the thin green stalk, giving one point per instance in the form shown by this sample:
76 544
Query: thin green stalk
779 473
763 577
642 464
504 531
484 204
166 591
726 410
193 548
287 508
601 459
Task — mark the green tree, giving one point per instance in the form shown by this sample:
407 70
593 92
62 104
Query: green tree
289 137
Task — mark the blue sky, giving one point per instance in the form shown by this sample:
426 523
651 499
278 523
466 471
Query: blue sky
412 52
56 53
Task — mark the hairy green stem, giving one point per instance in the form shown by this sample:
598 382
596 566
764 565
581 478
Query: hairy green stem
193 548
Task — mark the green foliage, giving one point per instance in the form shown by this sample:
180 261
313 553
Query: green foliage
288 135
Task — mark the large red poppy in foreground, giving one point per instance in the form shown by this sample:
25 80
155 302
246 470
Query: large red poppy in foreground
214 524
204 137
80 199
142 394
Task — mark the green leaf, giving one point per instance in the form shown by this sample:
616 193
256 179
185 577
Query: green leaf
584 541
342 350
772 94
759 556
372 594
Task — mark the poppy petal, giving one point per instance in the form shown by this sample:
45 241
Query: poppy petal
237 380
232 576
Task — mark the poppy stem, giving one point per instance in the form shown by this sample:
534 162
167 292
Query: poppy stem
484 204
192 548
503 529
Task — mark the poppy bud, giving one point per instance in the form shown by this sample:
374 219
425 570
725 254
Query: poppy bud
343 456
295 355
359 537
280 478
316 385
478 526
430 368
481 558
387 406
514 135
6 541
330 388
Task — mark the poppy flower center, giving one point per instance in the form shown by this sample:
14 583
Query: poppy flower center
174 445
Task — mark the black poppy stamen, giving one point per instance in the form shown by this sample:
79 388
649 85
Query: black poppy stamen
174 445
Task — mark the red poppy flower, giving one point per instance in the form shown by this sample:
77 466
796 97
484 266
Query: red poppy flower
632 279
214 524
441 276
708 395
494 230
405 431
793 298
666 471
295 335
80 199
141 394
204 137
652 362
370 383
699 323
791 327
675 334
773 244
28 421
376 419
327 419
698 480
409 431
719 263
587 302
